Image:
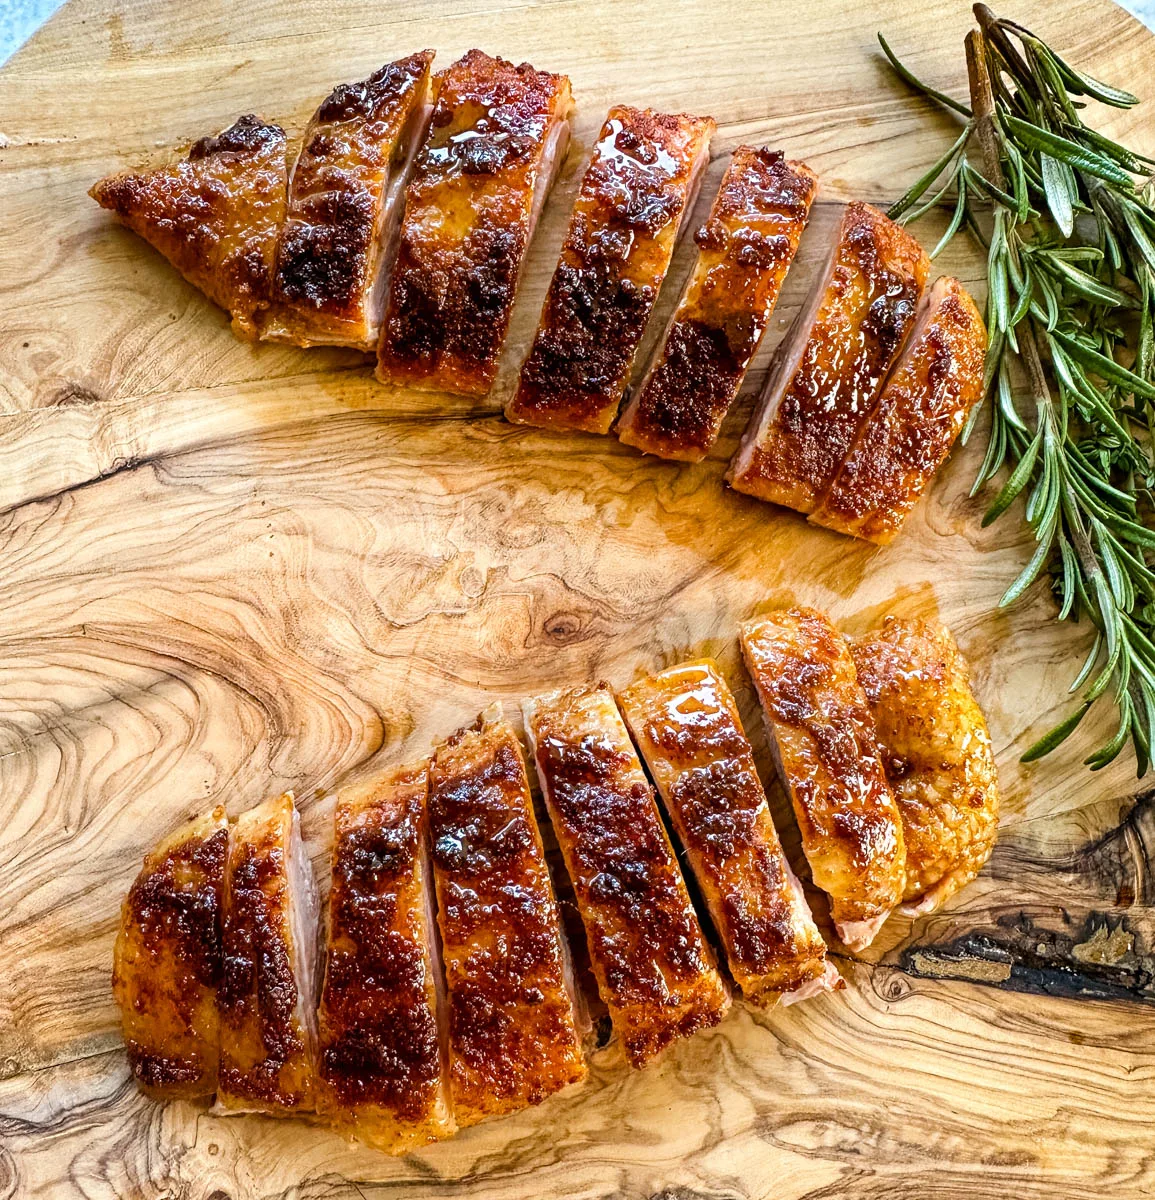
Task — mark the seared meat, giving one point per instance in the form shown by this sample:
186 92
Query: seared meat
214 216
498 135
268 987
514 1029
637 191
823 737
745 249
167 962
828 371
383 1077
936 382
937 754
686 724
654 968
345 199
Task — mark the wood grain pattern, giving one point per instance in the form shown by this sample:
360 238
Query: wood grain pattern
232 569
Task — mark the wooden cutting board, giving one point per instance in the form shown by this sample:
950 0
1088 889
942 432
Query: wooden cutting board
231 569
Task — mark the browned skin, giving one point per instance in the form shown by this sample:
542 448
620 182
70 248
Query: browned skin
824 745
654 968
167 962
745 249
924 404
808 421
513 1039
266 1060
214 216
686 724
331 246
621 237
381 1074
937 754
468 220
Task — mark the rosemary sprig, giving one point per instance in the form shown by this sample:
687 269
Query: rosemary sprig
1067 219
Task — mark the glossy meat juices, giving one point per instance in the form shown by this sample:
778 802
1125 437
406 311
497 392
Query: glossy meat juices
823 739
637 191
514 1024
497 137
654 968
925 402
215 216
345 199
383 1077
745 248
829 370
686 724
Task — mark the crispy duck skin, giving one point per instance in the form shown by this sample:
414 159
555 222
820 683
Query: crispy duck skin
382 1075
636 194
515 1032
167 961
934 385
345 198
215 216
828 372
654 968
267 994
937 754
824 747
745 249
498 135
686 724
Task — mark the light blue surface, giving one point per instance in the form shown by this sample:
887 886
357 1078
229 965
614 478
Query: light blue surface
19 19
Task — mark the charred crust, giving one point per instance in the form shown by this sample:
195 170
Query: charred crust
592 323
603 290
451 295
246 135
463 315
510 1018
623 867
257 983
745 245
370 99
161 1073
391 1060
176 908
323 254
692 388
379 1032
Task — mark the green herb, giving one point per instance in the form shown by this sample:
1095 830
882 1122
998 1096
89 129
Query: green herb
1067 219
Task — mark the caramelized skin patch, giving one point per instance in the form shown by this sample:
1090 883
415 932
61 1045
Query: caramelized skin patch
824 744
167 962
686 724
654 969
811 412
924 404
937 754
266 1059
381 1074
215 216
334 240
745 249
468 220
622 233
513 1040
